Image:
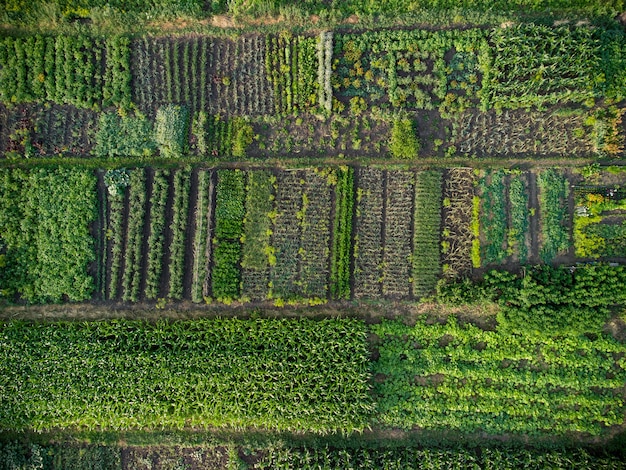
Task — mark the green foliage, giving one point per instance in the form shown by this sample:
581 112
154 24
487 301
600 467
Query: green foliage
229 217
66 70
203 373
536 65
156 239
44 227
599 227
362 458
131 279
116 89
546 299
341 253
170 130
243 136
494 217
117 181
453 377
257 222
404 142
554 210
426 243
124 136
520 215
180 209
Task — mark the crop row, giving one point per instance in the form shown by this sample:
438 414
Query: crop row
426 232
493 220
342 234
398 225
554 209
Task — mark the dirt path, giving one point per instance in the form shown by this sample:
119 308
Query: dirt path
533 206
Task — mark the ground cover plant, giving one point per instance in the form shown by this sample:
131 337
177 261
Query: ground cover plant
236 373
46 244
448 376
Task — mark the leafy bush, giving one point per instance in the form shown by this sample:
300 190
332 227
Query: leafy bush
243 136
124 136
341 254
546 299
404 142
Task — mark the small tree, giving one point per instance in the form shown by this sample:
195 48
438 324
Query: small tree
404 142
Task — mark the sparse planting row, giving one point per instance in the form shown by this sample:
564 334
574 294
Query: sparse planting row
368 241
179 229
398 225
286 235
314 217
426 232
202 236
257 254
156 239
458 238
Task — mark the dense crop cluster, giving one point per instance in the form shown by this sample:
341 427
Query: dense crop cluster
276 374
461 377
44 231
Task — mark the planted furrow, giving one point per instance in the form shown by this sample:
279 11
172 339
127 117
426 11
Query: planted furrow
201 234
156 239
398 229
368 251
178 226
315 235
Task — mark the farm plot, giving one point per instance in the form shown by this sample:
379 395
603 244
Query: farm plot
253 75
408 69
147 230
493 218
452 377
398 234
535 65
47 248
368 239
600 222
315 220
426 232
257 254
121 375
76 70
459 215
286 234
554 214
522 133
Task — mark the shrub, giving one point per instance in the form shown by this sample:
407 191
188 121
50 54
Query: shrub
170 130
404 142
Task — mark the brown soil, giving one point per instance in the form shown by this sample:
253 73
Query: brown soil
166 458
